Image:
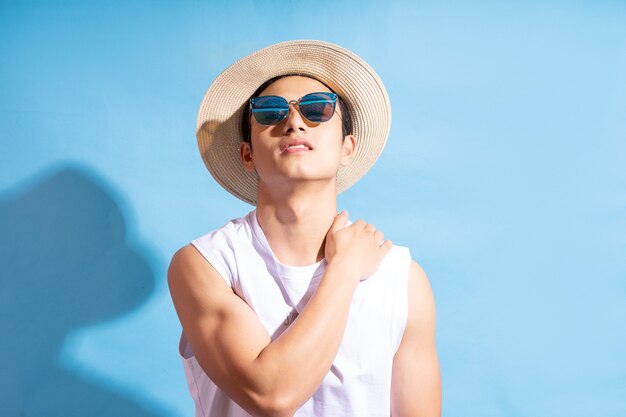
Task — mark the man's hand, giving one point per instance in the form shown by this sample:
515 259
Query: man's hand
359 247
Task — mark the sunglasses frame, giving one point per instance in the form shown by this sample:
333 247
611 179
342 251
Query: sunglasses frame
332 96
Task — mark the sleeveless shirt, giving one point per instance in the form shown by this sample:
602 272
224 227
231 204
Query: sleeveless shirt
359 380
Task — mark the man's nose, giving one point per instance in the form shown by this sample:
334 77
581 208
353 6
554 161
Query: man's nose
294 122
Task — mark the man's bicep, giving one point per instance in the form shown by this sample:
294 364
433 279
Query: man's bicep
225 334
416 379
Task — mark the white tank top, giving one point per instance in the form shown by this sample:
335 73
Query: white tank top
359 381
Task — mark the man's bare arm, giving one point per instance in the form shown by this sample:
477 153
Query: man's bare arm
265 377
416 378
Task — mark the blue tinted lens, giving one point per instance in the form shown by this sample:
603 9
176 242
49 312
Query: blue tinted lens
318 107
269 110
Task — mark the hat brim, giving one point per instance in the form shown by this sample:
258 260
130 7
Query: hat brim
219 117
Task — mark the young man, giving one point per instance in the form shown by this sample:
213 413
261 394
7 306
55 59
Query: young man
293 310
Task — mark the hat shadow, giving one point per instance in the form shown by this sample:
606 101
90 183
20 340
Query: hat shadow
65 264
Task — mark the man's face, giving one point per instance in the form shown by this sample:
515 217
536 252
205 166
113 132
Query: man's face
297 150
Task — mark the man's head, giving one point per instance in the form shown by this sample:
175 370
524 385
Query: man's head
219 125
287 147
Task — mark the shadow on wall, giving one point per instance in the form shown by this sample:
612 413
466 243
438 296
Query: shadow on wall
64 264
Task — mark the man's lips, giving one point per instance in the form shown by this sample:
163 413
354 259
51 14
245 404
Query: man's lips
295 146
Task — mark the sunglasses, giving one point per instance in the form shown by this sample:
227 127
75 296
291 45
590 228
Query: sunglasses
314 107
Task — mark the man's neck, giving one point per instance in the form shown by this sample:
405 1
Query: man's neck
296 224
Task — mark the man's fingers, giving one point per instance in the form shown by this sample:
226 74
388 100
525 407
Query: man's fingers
340 221
359 224
386 246
370 228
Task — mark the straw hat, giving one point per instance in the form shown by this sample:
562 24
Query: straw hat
219 116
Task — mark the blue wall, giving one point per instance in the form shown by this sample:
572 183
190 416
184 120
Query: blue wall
505 173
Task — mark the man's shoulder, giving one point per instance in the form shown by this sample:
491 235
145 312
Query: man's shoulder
398 255
394 269
227 232
220 246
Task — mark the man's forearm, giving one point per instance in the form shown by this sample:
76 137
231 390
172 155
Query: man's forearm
295 364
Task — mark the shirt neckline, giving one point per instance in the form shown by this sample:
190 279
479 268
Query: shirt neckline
285 271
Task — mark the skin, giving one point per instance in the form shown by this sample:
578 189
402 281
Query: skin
296 208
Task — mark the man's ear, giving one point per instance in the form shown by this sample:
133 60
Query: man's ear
245 153
349 147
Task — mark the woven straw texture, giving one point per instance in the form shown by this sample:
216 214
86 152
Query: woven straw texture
219 116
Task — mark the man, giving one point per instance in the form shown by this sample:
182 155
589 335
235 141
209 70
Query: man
293 310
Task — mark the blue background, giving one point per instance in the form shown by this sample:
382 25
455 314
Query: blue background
505 173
